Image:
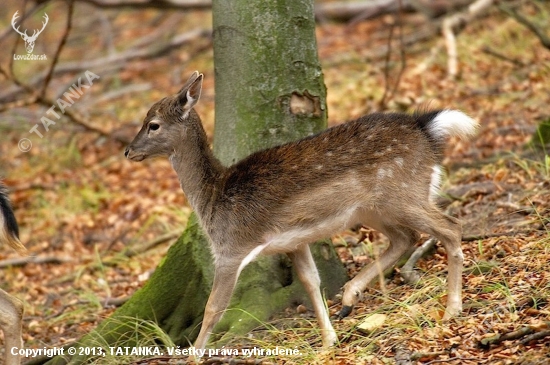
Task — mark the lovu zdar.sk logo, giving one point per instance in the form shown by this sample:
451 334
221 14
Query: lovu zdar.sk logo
29 39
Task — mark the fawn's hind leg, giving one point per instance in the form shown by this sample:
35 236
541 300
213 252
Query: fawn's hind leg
309 276
401 239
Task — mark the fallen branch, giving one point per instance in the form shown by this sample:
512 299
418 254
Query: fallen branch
450 359
523 20
115 302
488 50
407 271
540 331
137 249
535 336
452 24
357 11
22 261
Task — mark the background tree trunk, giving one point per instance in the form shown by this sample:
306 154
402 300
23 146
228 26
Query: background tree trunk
269 82
269 90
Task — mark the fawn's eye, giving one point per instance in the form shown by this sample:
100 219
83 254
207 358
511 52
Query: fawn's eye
153 126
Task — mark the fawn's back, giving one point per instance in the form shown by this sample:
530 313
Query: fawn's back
376 165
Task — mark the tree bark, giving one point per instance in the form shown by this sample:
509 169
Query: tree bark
269 82
269 90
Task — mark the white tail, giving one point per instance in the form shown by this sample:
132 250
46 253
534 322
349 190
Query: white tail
11 309
378 170
453 123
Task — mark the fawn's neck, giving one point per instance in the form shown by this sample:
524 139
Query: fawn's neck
197 168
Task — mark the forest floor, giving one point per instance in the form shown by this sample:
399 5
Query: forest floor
83 208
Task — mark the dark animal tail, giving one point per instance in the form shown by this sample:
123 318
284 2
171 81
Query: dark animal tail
9 231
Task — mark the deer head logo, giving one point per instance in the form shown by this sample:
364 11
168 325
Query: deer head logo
29 40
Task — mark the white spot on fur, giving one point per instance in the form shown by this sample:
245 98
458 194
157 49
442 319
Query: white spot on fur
319 167
381 173
399 161
329 154
435 181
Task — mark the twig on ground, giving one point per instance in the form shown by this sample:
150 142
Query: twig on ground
451 359
426 355
407 271
451 24
500 56
137 249
535 336
115 302
357 11
532 333
21 261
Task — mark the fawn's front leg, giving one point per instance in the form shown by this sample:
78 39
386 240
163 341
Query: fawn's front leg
225 278
309 276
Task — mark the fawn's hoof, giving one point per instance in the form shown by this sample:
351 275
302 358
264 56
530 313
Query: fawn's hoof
346 310
330 339
452 312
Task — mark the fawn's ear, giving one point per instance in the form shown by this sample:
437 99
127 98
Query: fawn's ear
190 93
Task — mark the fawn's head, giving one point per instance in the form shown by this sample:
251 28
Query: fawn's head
164 126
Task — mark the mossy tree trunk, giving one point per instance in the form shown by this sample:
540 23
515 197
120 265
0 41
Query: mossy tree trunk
269 90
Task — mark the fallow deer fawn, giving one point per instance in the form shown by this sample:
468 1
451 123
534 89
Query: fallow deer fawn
11 309
380 170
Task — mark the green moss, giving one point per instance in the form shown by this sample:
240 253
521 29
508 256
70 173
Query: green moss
541 137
